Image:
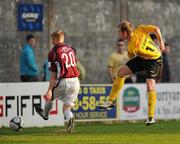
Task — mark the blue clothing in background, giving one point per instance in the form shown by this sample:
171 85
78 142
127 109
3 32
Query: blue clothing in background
47 73
28 64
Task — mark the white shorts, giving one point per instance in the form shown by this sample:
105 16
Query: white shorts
67 91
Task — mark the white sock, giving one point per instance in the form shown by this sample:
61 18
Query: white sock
47 108
68 114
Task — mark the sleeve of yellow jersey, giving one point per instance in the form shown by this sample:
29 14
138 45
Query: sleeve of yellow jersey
147 28
131 55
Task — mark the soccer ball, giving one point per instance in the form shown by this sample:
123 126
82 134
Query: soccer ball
16 123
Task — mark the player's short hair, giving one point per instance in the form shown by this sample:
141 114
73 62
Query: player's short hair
28 37
58 35
120 40
126 26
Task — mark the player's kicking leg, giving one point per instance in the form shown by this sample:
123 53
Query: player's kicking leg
117 85
39 111
47 108
107 105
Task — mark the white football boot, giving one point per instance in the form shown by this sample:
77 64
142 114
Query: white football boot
107 105
150 121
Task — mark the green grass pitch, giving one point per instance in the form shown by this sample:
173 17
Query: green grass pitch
164 132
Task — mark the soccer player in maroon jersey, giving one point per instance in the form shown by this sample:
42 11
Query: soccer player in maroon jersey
64 83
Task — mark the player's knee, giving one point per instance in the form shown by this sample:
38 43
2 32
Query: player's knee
150 84
123 71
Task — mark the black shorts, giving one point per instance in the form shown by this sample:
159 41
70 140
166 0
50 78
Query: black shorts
151 67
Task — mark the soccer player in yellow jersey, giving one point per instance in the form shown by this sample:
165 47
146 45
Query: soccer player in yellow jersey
145 55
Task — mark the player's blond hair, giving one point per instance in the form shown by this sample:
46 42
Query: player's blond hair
59 35
126 26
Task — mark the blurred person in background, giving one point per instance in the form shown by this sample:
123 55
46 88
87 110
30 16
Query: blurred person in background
166 74
29 70
80 67
81 70
145 55
46 71
117 59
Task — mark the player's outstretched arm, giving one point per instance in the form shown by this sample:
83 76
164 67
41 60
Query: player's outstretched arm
159 36
156 30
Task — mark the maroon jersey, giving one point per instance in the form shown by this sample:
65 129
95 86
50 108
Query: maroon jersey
62 59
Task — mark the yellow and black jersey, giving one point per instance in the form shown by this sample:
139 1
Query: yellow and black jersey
141 44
